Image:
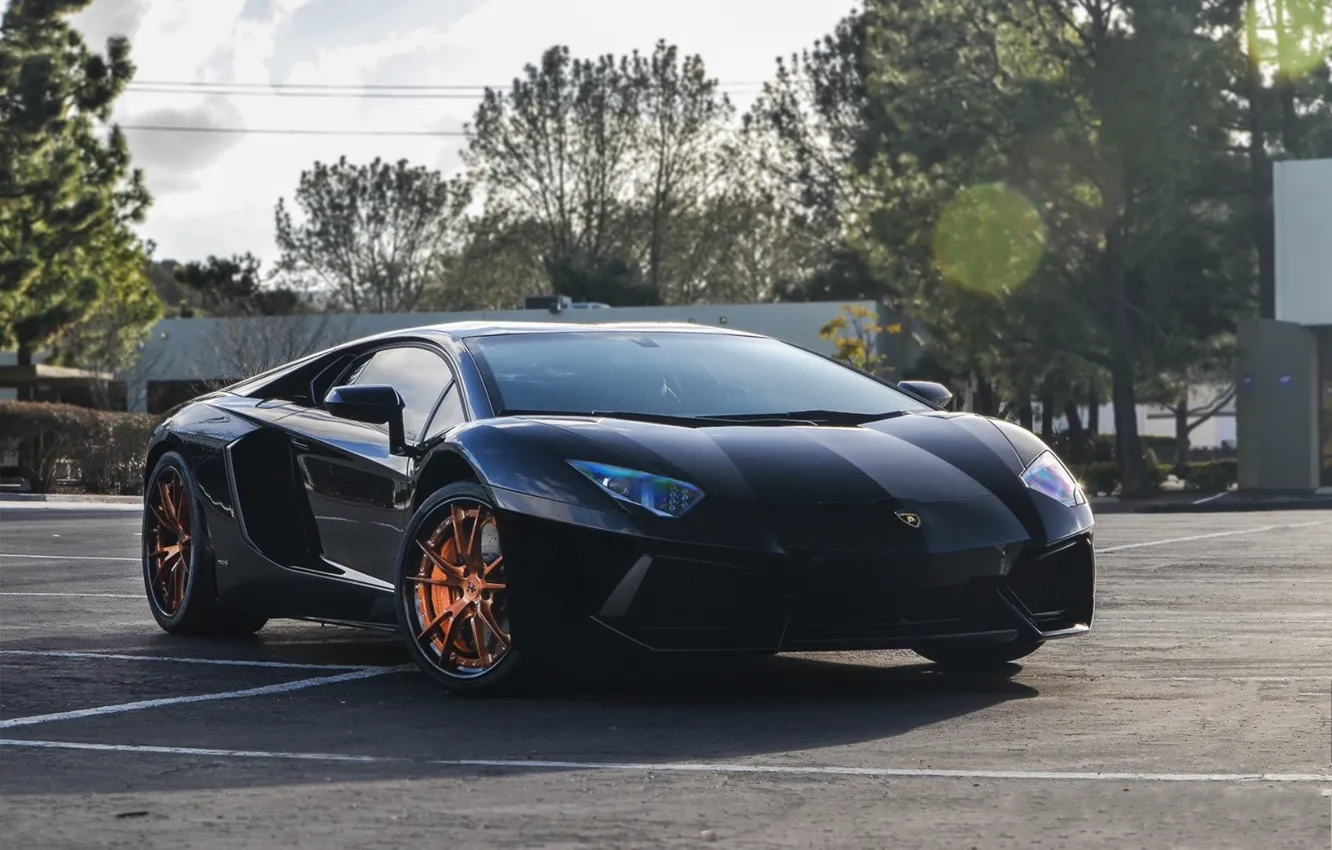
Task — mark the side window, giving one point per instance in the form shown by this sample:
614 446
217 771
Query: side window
418 375
450 413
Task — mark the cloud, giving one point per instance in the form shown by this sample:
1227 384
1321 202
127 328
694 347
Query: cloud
259 11
215 193
321 26
101 21
169 159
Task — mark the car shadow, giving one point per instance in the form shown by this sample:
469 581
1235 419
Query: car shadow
699 710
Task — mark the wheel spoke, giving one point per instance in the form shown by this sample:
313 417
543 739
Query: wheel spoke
471 539
487 614
451 614
443 566
178 593
164 524
479 638
447 581
166 566
182 509
456 517
493 565
167 504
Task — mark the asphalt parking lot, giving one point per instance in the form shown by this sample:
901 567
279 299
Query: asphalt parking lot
1198 714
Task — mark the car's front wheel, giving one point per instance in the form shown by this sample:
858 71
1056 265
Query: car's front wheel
974 655
177 559
452 595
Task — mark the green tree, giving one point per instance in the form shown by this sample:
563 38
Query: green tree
814 129
498 265
853 332
1280 89
1052 180
559 149
68 193
234 286
109 336
683 179
376 236
624 167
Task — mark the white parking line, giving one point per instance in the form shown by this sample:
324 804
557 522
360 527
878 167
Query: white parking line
686 767
121 507
221 662
71 557
72 594
1112 549
266 690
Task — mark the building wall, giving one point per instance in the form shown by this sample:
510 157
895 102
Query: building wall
1303 205
1277 407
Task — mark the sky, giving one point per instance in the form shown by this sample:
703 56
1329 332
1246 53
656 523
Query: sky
215 193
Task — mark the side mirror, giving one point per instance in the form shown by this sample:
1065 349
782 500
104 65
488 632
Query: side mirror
374 404
936 394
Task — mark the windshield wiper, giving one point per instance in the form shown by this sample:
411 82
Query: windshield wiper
813 417
794 417
635 415
664 418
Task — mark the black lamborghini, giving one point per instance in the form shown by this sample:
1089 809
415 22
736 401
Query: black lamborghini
505 495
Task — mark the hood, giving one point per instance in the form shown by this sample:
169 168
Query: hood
811 487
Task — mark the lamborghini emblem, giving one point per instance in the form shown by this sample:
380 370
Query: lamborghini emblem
909 518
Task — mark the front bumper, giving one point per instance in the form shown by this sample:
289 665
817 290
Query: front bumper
671 596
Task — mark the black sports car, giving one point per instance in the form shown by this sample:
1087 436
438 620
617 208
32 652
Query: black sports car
506 494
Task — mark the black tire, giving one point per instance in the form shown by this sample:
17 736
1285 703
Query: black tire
971 655
440 652
182 589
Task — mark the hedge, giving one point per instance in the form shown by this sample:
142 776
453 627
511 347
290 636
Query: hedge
105 447
1213 476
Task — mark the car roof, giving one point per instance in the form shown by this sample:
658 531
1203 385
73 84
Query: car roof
457 331
468 330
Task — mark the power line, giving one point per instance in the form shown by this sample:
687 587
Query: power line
272 131
309 86
347 95
202 84
313 94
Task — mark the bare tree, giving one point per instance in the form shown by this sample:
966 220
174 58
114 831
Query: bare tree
377 236
246 346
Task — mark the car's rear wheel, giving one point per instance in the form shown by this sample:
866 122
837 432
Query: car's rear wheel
452 593
177 559
975 655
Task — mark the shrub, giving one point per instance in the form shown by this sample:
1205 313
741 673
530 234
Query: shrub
1213 476
1097 478
1103 478
105 447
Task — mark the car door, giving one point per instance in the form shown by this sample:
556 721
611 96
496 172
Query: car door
359 493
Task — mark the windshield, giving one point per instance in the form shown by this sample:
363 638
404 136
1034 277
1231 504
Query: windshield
672 374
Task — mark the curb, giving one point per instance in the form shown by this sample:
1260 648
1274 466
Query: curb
70 498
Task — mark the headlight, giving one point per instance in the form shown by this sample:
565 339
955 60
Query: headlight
1047 475
662 496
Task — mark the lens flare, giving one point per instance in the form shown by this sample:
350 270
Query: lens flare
989 239
1294 37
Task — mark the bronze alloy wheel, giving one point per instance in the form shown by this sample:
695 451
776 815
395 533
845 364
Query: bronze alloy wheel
168 541
461 617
